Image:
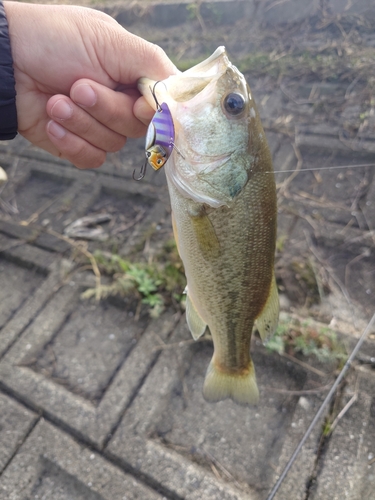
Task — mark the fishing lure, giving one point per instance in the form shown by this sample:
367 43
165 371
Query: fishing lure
159 138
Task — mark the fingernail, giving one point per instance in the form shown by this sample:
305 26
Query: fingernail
61 110
56 130
84 95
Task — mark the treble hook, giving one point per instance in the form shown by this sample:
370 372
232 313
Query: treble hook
142 172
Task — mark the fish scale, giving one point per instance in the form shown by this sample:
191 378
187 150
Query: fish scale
247 293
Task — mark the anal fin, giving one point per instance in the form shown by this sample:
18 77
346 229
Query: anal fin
266 322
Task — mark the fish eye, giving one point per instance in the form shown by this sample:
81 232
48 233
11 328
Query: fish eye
234 104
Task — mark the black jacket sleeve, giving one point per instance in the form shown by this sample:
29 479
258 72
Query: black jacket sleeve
8 111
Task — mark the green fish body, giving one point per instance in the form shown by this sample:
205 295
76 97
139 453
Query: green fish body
223 202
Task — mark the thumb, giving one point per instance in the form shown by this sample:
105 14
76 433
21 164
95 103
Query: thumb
132 57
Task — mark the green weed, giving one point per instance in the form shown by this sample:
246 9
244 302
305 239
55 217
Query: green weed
193 10
155 284
295 337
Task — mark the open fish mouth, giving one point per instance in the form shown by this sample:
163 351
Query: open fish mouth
185 86
191 99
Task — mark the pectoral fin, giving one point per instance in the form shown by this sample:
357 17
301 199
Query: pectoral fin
204 231
195 323
266 322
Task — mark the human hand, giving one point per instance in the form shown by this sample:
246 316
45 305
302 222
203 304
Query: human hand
76 71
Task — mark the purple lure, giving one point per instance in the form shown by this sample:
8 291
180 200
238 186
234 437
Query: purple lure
160 137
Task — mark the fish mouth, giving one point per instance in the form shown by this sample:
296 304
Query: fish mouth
186 85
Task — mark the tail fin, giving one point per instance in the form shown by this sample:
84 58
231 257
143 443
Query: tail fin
242 388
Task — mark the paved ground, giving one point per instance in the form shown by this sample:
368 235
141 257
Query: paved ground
97 401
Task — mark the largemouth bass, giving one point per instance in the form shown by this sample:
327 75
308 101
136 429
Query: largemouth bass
223 199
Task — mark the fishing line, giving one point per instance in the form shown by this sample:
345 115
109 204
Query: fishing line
320 168
322 407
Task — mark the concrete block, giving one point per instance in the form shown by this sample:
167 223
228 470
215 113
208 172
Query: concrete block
36 193
27 256
20 281
346 469
15 230
15 423
30 291
296 482
82 363
170 433
50 464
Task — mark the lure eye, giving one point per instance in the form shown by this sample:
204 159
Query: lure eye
234 104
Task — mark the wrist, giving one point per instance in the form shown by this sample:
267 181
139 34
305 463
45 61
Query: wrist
8 110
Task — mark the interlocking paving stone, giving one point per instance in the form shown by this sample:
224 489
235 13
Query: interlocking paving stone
17 284
345 470
134 209
36 192
133 206
27 255
119 165
88 348
332 193
50 464
82 366
171 433
33 189
296 483
15 423
30 290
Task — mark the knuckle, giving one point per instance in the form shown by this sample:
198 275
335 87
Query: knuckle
98 160
138 130
82 124
157 52
116 144
85 156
